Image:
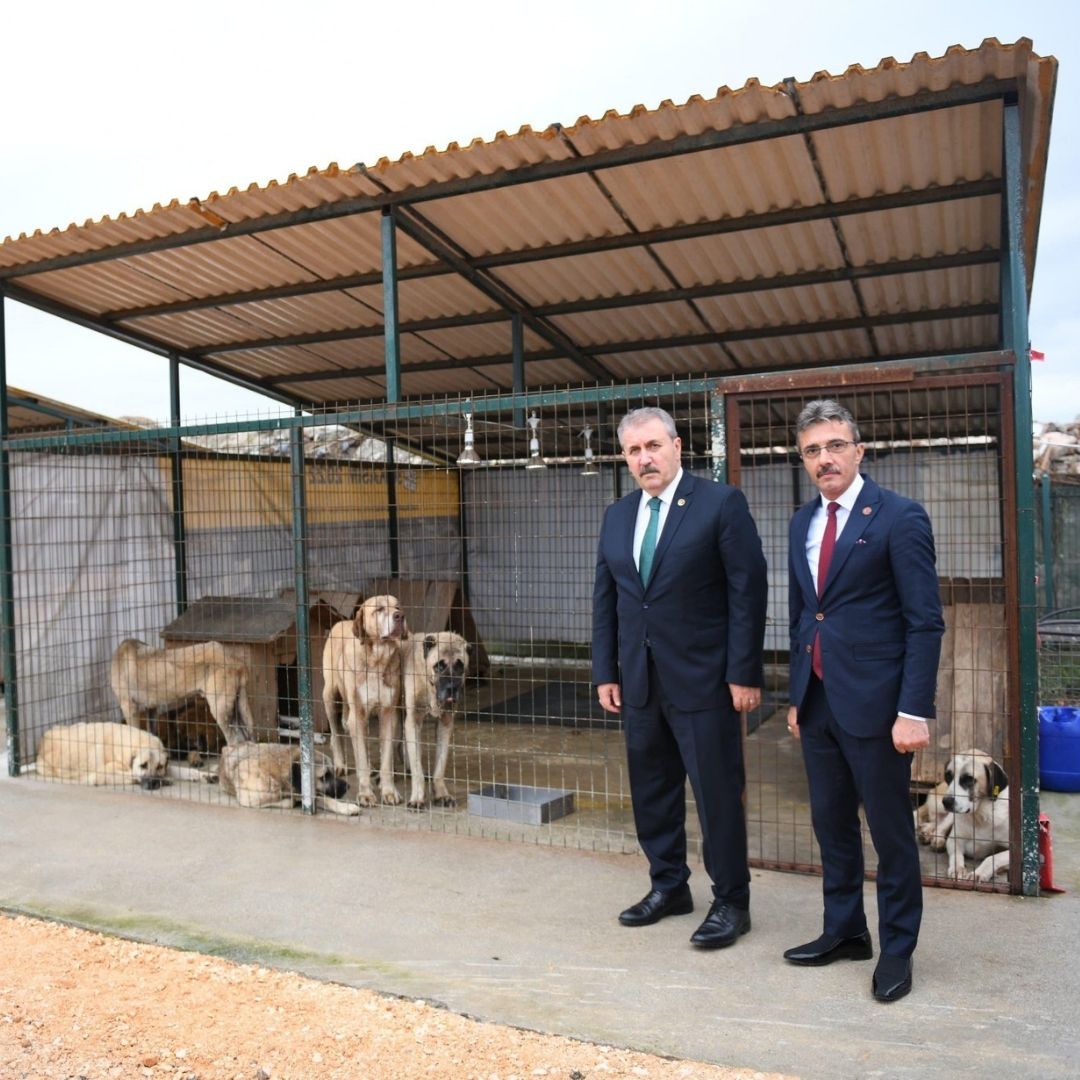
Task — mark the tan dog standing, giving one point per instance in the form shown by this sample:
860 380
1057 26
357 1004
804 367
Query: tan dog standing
265 775
433 667
102 753
143 677
362 668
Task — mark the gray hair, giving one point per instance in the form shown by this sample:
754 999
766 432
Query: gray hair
825 411
643 416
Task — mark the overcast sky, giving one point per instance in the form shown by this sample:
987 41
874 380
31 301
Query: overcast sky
115 105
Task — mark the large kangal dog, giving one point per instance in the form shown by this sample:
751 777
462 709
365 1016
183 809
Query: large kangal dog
144 678
263 775
433 669
362 668
102 753
967 815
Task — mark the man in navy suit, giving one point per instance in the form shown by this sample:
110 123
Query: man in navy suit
678 631
866 631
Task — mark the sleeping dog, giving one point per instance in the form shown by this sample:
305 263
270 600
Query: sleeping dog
967 815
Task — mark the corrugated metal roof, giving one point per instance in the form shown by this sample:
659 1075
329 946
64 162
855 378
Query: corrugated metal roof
848 217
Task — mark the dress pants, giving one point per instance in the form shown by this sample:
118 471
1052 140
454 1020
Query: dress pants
844 770
664 746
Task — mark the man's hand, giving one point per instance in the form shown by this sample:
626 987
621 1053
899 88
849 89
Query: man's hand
793 722
744 698
908 734
610 696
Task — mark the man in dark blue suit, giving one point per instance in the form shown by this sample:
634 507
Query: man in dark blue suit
866 629
678 631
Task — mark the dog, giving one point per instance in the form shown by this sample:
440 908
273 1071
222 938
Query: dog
433 669
362 669
263 775
967 815
143 678
102 752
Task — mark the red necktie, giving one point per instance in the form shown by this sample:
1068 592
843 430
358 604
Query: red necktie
828 542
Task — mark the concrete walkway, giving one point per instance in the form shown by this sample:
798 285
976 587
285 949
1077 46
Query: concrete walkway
527 935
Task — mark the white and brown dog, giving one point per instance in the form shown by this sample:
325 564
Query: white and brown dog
362 669
967 815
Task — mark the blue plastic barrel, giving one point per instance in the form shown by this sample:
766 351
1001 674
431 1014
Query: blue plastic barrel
1059 747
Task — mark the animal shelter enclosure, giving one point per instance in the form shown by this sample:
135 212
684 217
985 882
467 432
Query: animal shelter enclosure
500 551
452 338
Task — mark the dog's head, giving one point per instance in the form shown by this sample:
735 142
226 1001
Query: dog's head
378 618
446 663
327 782
972 776
148 765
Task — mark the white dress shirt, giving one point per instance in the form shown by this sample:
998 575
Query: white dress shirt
666 496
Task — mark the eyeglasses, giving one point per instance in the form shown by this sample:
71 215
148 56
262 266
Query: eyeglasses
834 446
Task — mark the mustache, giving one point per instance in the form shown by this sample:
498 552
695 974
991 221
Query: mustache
828 470
646 469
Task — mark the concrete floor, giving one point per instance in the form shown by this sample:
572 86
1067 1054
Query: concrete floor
525 933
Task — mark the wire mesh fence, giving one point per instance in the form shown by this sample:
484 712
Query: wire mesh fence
248 560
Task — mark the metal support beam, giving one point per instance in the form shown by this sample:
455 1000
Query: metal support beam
391 330
393 528
176 463
1014 306
7 567
303 630
726 226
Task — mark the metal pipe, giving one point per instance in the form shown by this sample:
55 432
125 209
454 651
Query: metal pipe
1014 297
391 329
1048 540
303 629
176 464
7 569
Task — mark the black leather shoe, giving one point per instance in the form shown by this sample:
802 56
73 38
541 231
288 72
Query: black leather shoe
721 927
892 978
658 905
828 948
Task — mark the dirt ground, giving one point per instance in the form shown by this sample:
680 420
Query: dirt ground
78 1005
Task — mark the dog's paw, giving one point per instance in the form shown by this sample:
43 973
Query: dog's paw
960 873
937 843
367 798
416 803
444 800
392 797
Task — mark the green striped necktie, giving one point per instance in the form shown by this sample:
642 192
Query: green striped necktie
648 541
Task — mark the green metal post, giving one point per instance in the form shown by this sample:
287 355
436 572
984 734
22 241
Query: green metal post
1048 540
391 332
1015 337
7 568
303 634
176 462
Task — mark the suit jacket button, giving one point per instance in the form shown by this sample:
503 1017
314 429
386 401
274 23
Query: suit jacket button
820 617
809 648
645 607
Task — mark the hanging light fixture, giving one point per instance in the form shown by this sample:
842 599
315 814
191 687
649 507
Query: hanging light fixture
535 460
590 468
468 455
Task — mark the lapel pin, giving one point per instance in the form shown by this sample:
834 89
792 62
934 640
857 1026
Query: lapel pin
867 511
681 502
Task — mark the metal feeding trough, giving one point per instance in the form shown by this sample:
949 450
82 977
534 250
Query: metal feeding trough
512 802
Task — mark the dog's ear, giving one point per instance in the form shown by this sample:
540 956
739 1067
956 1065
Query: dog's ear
996 780
469 647
429 643
358 623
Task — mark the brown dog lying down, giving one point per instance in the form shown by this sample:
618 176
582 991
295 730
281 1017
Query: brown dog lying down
102 753
143 678
263 775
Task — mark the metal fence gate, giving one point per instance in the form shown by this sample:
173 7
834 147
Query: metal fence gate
264 535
